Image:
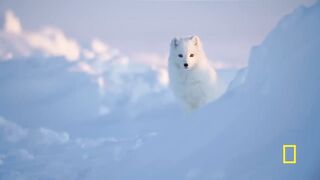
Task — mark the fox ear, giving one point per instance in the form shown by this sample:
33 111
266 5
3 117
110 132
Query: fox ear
195 40
174 42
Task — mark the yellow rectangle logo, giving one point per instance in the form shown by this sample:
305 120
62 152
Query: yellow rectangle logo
284 148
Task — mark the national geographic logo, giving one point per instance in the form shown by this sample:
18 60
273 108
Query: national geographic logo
292 160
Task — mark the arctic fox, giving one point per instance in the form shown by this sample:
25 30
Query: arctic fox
192 79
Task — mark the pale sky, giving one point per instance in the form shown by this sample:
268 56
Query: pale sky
227 28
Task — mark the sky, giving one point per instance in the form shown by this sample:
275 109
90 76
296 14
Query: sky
228 29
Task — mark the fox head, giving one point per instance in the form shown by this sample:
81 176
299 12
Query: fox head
185 53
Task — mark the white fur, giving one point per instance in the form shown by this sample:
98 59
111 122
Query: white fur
197 85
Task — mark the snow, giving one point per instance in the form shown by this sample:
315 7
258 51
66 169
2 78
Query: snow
56 124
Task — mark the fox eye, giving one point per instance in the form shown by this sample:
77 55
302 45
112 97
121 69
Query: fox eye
191 55
180 55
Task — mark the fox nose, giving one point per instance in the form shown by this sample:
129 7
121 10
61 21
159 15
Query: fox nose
185 65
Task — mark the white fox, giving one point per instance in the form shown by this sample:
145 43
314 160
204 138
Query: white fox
192 79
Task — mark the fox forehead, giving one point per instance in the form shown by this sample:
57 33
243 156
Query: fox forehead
185 45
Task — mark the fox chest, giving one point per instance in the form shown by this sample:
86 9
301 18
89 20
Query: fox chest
191 90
